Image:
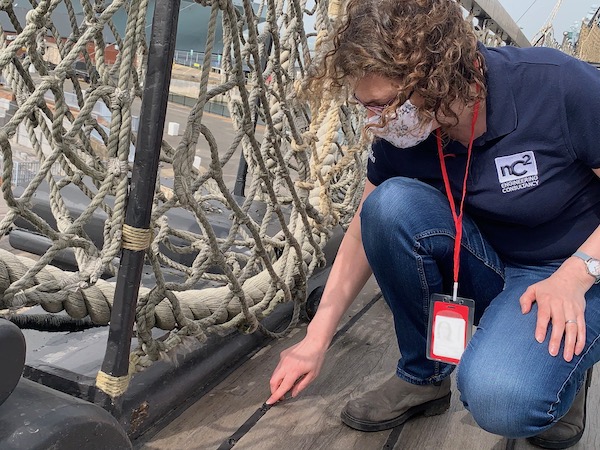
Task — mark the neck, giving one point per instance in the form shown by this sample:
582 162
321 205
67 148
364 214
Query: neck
461 132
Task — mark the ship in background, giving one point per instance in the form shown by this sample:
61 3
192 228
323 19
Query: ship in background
191 33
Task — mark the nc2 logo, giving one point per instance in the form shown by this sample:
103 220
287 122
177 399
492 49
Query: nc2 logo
516 166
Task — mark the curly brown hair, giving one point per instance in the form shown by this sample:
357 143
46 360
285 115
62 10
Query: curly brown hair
426 45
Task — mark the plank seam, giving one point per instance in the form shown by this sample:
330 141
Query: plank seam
355 319
393 438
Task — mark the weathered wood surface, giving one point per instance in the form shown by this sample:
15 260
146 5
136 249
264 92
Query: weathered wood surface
364 354
215 417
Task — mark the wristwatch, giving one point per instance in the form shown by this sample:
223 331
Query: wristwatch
591 264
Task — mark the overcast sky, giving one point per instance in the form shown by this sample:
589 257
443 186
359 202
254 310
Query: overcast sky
569 12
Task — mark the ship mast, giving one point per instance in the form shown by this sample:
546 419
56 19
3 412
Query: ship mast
545 33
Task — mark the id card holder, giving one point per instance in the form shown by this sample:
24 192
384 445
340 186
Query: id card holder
450 327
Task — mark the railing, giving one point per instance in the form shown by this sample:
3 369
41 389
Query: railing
24 171
492 16
195 59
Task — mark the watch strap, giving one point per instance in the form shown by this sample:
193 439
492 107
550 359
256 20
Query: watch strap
586 258
582 255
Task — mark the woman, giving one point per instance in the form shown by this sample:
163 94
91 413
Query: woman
519 129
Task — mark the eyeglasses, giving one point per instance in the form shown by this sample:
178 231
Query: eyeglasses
375 109
378 109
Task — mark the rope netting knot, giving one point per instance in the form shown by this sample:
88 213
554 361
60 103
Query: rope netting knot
37 17
221 4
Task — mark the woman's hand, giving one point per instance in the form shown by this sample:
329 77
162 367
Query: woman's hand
561 300
298 366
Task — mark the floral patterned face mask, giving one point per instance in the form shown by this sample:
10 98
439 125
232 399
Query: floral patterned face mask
404 128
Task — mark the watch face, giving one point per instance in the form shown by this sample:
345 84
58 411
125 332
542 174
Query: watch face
594 267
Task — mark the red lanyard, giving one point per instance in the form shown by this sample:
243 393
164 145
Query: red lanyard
457 217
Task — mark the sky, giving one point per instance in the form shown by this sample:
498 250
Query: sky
531 22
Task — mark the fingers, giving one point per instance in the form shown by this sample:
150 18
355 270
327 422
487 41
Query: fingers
279 388
301 384
571 336
567 318
293 383
574 337
527 300
276 378
543 319
558 331
563 327
580 334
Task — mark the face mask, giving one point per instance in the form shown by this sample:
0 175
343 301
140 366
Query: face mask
404 128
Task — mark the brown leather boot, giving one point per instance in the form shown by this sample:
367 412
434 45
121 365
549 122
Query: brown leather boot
567 431
394 402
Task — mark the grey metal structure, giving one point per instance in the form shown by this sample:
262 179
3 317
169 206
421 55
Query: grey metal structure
493 17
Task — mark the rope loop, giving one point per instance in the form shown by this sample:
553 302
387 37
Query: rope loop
299 148
249 327
305 185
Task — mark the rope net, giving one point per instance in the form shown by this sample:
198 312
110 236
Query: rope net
216 261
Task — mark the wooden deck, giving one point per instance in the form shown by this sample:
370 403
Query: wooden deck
363 354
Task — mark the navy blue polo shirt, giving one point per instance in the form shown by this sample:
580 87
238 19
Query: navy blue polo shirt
531 189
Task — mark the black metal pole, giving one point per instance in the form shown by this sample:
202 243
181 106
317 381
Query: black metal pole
242 173
143 181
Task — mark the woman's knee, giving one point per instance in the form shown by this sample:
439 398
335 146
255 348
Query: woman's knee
401 201
500 402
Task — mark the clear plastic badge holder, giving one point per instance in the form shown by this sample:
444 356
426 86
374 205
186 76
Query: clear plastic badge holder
450 327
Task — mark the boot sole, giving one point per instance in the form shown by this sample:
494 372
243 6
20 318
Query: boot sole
565 443
431 408
545 443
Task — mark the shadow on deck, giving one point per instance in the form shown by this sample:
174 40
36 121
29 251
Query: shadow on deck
363 354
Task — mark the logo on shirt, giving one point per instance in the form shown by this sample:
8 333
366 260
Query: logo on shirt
516 172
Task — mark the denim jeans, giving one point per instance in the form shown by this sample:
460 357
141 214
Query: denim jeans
508 381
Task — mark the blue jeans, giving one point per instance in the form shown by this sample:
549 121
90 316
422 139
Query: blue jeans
508 381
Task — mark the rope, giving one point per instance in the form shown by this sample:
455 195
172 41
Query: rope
113 386
306 166
136 239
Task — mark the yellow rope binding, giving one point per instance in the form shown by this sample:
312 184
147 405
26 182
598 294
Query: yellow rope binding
136 239
113 386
